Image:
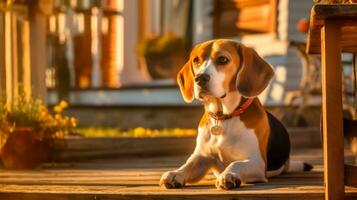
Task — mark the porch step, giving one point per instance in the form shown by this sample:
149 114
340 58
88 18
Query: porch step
171 116
91 148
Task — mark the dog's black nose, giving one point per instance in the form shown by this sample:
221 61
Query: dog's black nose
202 79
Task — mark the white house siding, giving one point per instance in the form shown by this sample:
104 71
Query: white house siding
202 21
275 48
298 9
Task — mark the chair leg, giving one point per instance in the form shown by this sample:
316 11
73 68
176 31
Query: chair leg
332 111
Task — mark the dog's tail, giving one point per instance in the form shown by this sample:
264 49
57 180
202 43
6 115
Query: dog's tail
290 167
297 166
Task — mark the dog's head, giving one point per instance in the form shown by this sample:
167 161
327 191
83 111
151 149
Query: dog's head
218 67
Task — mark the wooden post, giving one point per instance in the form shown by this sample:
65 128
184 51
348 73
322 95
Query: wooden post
38 63
14 56
2 57
332 110
8 63
110 47
95 24
26 67
143 18
128 66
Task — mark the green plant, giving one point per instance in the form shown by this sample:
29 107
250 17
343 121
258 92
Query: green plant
160 45
3 125
3 121
26 112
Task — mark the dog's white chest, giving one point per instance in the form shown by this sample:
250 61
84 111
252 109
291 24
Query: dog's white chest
236 143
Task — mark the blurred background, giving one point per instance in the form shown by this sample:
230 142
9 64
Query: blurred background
115 61
105 74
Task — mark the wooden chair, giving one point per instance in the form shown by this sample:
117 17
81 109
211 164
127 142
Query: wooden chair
333 30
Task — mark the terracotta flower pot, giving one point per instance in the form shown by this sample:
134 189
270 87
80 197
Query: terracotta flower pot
164 67
24 149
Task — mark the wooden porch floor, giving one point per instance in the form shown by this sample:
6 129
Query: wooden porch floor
137 178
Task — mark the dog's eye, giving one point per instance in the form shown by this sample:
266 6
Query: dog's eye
196 60
222 60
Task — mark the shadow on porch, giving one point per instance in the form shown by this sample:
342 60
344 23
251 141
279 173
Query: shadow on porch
137 178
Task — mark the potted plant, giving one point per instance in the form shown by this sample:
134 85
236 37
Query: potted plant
3 125
28 129
162 55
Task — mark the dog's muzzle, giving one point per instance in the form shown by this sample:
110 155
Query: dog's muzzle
202 80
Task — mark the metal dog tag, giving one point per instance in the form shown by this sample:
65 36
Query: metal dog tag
217 130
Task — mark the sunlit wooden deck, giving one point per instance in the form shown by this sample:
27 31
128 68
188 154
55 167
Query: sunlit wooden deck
137 178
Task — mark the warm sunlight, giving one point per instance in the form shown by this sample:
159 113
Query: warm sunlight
178 99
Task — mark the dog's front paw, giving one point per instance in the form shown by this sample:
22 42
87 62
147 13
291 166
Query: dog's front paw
228 181
172 179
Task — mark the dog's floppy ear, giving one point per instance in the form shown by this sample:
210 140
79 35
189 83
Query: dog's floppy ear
255 73
185 81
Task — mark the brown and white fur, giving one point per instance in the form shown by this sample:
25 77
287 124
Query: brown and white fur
232 73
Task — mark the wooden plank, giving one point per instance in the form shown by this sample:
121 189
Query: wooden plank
273 16
256 25
239 4
107 184
255 13
332 111
346 16
348 32
225 196
248 14
75 148
89 148
82 144
137 178
335 11
236 17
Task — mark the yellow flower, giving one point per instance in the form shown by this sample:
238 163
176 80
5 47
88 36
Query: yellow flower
59 107
43 111
58 117
63 104
184 132
73 122
139 132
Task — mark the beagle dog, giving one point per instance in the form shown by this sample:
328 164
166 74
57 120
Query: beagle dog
237 139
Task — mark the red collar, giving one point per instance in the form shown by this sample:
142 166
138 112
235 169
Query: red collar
239 110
